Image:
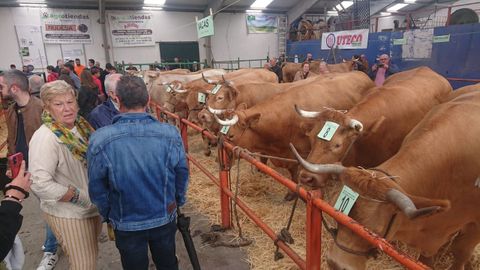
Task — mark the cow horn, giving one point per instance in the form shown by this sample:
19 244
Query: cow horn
208 80
355 124
180 91
404 203
317 168
306 114
229 122
216 111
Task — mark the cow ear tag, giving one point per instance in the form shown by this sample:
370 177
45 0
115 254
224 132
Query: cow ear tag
346 200
168 88
216 88
224 130
328 131
202 98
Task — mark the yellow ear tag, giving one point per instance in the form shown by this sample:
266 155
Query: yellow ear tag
216 88
202 98
224 130
346 200
328 131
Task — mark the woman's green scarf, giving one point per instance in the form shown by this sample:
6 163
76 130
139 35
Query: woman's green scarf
77 146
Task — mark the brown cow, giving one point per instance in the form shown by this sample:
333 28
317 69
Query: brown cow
437 170
290 69
269 126
373 130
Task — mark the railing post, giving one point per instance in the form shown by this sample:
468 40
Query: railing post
224 184
184 133
314 232
376 24
449 16
158 113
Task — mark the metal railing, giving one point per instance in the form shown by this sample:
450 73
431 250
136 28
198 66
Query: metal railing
313 199
192 66
231 65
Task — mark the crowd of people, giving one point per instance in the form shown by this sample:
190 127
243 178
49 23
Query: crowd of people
89 156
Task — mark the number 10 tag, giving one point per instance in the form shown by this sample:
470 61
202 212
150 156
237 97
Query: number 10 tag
328 131
346 200
224 130
216 88
202 98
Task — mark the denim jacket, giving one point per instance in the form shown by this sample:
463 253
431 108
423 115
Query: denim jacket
137 172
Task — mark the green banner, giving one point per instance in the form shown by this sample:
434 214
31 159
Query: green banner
400 41
205 27
440 39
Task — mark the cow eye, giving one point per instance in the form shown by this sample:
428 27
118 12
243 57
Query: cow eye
337 145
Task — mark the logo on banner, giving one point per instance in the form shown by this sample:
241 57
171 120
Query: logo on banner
330 40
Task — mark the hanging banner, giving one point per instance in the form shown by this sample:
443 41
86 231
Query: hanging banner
131 29
31 46
65 27
351 39
261 24
418 44
205 27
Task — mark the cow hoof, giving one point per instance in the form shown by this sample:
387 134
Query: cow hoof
290 196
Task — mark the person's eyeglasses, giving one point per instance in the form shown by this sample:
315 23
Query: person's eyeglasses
383 58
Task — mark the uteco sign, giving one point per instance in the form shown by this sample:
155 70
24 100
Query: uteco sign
353 39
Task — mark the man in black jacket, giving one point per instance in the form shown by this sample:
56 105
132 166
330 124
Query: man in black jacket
276 69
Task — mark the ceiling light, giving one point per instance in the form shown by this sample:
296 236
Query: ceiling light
154 2
261 3
396 7
409 1
152 8
385 13
344 5
253 11
32 5
332 13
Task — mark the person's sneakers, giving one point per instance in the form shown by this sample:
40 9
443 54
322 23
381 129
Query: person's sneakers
48 262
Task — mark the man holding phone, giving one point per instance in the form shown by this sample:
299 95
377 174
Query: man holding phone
382 69
23 118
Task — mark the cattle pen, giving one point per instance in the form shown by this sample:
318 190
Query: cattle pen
315 205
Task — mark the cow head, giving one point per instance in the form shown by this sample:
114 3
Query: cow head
331 134
380 196
224 98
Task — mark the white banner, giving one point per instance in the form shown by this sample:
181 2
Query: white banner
31 48
65 27
351 39
131 29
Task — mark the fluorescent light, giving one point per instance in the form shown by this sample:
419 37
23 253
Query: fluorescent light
396 7
253 11
32 5
332 12
154 2
409 1
344 5
152 8
261 3
385 13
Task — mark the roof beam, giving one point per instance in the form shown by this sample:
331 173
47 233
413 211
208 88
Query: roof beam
215 5
299 9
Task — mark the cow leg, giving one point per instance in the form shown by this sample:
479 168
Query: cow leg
464 245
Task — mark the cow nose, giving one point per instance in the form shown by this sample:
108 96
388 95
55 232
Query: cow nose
333 265
306 178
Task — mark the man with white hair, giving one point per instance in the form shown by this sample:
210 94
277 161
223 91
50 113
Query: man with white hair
36 82
382 70
103 114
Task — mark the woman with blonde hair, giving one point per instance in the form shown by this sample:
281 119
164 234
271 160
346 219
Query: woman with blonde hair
57 160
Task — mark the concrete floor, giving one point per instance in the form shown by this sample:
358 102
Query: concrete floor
32 234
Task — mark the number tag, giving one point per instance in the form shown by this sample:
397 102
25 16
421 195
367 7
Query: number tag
224 130
346 200
216 88
202 98
328 131
167 88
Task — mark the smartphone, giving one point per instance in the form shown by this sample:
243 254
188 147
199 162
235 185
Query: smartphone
14 162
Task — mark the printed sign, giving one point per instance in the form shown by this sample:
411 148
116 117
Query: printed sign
346 200
351 39
400 41
31 48
131 29
224 130
65 26
262 23
328 131
216 88
440 39
205 27
202 98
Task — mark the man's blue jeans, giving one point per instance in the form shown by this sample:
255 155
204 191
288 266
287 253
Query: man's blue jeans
50 241
133 247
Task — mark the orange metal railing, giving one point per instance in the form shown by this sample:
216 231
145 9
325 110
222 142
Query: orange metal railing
315 205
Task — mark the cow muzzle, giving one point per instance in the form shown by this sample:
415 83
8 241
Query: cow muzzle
312 180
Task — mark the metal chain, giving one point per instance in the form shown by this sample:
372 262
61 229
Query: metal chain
284 234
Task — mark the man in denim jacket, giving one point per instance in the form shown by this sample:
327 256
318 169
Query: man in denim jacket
138 175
